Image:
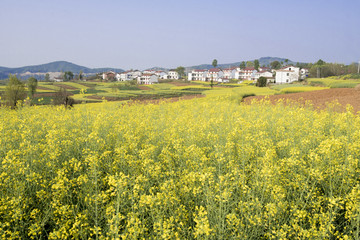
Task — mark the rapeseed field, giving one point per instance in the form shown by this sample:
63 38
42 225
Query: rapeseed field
209 168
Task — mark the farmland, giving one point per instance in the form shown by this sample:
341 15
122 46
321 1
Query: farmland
206 168
215 167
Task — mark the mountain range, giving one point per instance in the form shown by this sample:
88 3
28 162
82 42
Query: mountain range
58 66
263 61
62 66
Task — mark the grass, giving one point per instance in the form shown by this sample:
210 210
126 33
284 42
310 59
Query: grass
298 89
333 83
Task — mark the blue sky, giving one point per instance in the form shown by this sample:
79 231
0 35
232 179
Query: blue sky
140 34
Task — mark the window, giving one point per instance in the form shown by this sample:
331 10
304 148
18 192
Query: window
287 74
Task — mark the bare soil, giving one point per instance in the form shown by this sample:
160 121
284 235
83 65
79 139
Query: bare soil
44 88
66 86
144 88
320 99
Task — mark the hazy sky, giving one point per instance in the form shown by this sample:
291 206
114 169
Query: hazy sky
168 33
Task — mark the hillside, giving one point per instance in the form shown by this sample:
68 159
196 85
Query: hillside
58 66
263 61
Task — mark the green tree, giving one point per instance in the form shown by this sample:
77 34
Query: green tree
261 82
32 84
14 91
286 61
80 75
62 98
319 65
47 77
68 76
214 63
242 65
275 65
249 64
181 71
256 64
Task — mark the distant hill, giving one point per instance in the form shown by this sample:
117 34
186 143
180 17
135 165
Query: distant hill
157 69
263 61
58 66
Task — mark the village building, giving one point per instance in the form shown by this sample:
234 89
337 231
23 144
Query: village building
246 73
268 75
127 75
108 75
172 74
149 71
229 73
161 74
287 74
148 79
197 75
304 73
214 74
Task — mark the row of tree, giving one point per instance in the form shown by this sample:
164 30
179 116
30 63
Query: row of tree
16 92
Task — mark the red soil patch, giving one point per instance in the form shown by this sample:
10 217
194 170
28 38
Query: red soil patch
87 84
53 94
66 86
180 84
319 98
144 88
44 88
96 97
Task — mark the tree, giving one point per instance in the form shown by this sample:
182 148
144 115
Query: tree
214 63
242 65
261 82
68 76
319 64
47 77
62 98
275 65
181 71
256 64
81 75
286 61
32 85
14 91
249 64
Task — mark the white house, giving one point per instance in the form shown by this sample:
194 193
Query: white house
229 73
108 75
161 74
287 74
149 71
268 75
173 75
197 75
264 69
215 74
124 76
263 74
245 74
147 78
127 75
304 73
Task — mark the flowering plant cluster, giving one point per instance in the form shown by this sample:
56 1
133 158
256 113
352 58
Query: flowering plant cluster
206 168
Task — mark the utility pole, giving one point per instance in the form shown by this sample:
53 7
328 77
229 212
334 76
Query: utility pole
359 67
